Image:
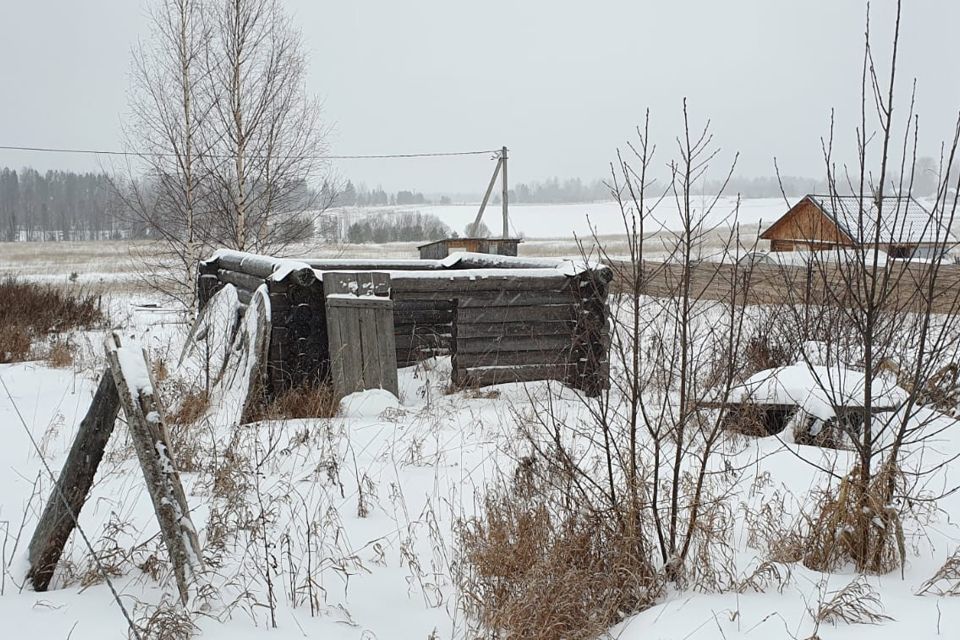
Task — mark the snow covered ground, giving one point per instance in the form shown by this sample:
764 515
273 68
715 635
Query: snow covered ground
358 513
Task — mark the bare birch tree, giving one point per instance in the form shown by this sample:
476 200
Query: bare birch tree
168 112
266 137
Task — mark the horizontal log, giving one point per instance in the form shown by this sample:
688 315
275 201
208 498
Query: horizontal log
418 341
483 376
545 313
240 279
513 358
260 266
530 328
512 343
402 295
423 316
359 283
516 298
424 305
358 302
323 264
451 281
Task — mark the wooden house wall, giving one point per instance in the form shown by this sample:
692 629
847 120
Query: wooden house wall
805 226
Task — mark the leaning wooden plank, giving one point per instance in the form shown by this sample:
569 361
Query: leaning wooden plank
63 508
388 352
207 348
144 414
483 376
245 374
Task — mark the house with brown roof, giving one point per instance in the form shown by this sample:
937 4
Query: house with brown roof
904 228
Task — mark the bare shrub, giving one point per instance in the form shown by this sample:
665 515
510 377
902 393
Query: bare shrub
192 406
60 355
533 570
46 309
767 574
949 574
846 525
166 621
15 343
856 603
304 401
32 311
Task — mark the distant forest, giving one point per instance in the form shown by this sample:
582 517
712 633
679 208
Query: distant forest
63 205
57 205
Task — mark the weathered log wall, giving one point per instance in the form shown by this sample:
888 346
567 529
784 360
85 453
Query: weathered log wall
502 321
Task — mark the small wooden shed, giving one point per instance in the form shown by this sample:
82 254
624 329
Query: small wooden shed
827 222
442 248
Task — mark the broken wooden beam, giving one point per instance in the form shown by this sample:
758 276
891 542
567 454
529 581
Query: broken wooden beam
60 516
135 387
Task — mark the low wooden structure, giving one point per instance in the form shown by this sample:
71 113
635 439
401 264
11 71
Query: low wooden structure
829 222
442 248
500 318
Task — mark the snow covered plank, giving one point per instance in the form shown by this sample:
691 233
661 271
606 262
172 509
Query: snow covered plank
144 414
69 494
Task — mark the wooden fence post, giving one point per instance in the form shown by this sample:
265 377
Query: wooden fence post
144 415
63 508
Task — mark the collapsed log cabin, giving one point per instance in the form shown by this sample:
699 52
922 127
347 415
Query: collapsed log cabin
500 318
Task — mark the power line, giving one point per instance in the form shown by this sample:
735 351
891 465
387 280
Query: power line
378 156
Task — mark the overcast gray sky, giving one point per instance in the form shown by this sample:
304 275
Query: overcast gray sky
561 83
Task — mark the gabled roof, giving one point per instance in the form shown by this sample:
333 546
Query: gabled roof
902 220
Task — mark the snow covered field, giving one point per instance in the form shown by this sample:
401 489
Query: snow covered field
564 221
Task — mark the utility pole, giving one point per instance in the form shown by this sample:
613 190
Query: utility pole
503 179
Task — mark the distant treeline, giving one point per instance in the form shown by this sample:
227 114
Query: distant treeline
351 195
57 205
397 227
